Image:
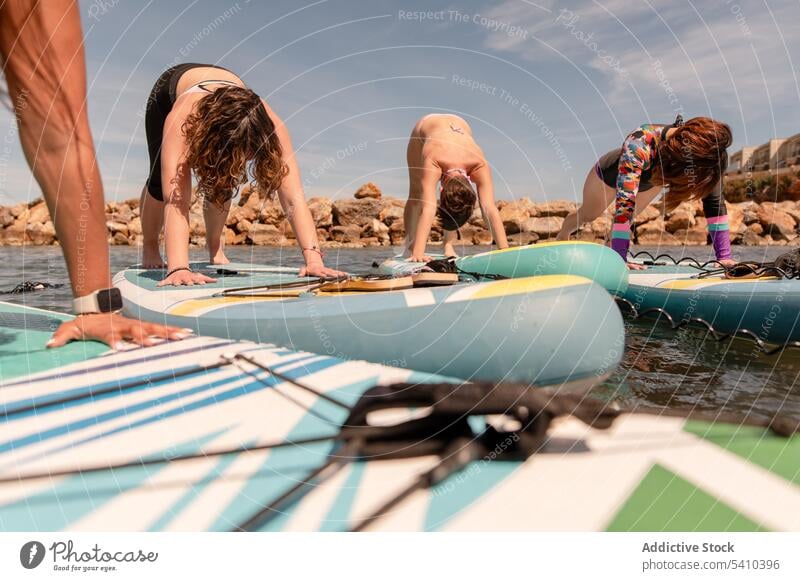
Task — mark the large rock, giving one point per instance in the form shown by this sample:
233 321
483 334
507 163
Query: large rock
679 220
368 190
390 214
547 227
377 230
38 214
514 213
750 238
244 226
321 211
350 233
658 238
756 229
135 226
17 209
522 239
265 235
270 212
114 227
476 218
41 234
777 222
735 219
601 226
482 237
558 208
691 237
651 212
397 233
356 212
6 217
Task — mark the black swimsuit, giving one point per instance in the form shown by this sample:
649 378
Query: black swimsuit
159 104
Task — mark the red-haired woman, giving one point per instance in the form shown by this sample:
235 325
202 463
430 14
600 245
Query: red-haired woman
202 119
687 159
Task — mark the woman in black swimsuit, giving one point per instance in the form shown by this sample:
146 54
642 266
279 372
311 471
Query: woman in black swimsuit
203 120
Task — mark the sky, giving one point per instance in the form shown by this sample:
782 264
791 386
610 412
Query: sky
547 87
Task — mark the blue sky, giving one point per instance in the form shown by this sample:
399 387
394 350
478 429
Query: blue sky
546 86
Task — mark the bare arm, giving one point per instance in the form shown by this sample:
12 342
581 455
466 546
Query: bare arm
483 180
426 209
177 184
293 202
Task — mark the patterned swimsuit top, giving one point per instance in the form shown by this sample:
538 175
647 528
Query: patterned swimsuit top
631 168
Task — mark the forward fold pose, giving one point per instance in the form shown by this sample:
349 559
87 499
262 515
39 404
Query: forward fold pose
686 159
202 119
441 151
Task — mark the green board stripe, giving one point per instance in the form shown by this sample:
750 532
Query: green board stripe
664 501
718 227
780 456
619 234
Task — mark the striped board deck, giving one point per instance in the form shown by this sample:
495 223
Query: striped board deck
167 438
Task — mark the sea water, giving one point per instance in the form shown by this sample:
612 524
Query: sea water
661 367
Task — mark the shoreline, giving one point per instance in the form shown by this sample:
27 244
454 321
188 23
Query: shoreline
370 219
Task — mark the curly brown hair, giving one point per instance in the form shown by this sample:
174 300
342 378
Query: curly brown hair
227 131
456 202
694 158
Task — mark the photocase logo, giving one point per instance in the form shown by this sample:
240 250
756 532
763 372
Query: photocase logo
31 554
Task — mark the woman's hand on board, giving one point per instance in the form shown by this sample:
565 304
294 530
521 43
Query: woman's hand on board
185 278
113 329
320 270
636 266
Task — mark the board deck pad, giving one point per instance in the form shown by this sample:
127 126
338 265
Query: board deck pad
174 399
546 329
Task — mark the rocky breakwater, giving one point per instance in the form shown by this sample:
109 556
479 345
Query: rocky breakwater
373 219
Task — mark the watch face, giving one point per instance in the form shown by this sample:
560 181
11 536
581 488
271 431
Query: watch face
109 300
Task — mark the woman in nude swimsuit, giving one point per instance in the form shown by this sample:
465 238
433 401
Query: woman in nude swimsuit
203 119
441 149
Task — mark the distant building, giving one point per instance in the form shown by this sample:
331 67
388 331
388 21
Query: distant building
789 152
775 154
740 161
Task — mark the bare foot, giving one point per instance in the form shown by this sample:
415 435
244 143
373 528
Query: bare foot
151 257
219 258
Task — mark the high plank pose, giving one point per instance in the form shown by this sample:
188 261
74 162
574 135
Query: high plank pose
686 160
203 120
41 44
441 151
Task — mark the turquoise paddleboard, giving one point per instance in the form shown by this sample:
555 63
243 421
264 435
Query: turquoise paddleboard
769 307
547 330
180 437
593 261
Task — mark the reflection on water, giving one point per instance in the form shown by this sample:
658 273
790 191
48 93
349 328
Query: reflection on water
661 367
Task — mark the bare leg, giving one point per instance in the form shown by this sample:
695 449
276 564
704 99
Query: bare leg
151 213
42 52
597 197
450 237
215 218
